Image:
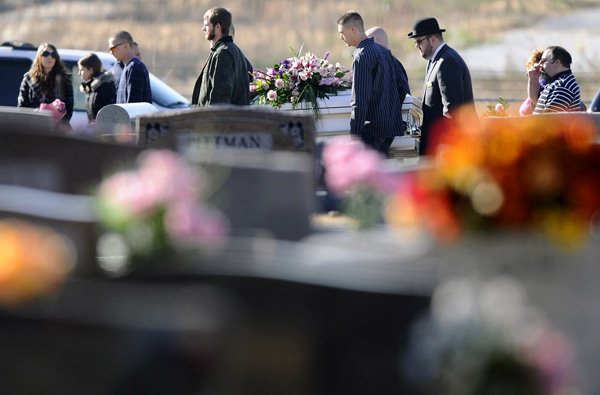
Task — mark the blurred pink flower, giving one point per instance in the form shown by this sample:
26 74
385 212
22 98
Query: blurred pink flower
126 192
500 107
553 355
163 184
350 163
192 224
167 177
272 95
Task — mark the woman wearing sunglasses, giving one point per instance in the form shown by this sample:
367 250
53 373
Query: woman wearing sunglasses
46 81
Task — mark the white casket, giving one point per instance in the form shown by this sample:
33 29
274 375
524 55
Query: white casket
335 121
335 114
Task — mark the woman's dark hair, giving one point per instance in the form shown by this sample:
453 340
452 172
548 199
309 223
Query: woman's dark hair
91 61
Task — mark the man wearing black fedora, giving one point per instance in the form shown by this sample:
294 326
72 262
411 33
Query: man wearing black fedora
447 78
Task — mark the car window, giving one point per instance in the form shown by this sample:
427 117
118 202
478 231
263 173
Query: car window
78 95
166 96
12 71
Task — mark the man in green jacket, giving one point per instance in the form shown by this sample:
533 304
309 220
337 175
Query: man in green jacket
224 78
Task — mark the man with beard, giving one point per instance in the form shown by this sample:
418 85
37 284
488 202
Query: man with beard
447 79
561 92
379 86
224 78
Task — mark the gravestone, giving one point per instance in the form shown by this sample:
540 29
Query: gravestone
52 162
47 179
20 118
270 194
260 162
115 119
249 128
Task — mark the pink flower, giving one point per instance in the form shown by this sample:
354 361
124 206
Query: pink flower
272 95
126 192
553 354
279 83
167 177
161 180
499 107
193 225
349 163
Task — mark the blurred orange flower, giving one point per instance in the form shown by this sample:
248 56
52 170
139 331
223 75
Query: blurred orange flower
504 173
34 261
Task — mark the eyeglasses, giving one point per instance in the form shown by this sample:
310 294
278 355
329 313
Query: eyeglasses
115 46
544 61
418 42
45 54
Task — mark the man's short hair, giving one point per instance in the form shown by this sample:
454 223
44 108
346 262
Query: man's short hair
124 36
562 55
351 18
221 16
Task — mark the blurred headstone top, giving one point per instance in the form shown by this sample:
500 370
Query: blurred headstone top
54 162
226 128
114 117
29 119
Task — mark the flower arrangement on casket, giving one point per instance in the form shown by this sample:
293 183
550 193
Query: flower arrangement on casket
539 173
299 79
157 210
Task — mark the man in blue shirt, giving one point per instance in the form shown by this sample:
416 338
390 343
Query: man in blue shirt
379 87
134 82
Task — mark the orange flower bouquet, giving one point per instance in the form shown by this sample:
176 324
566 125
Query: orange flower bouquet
539 173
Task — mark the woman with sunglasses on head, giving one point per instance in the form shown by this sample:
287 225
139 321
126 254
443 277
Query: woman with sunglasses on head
46 81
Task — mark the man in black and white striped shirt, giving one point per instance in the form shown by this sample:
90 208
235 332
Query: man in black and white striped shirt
561 92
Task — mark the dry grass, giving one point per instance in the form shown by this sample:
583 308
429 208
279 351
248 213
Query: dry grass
175 49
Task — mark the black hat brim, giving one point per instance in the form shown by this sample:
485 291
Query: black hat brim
425 33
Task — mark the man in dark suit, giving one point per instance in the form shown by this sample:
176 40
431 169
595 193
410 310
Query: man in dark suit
447 79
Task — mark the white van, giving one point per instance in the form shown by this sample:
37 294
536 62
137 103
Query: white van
16 59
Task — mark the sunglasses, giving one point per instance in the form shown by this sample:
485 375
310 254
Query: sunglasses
115 46
45 54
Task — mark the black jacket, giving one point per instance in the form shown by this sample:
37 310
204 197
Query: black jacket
31 93
100 91
225 78
447 87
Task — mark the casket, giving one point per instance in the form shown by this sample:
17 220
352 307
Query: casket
334 120
335 114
